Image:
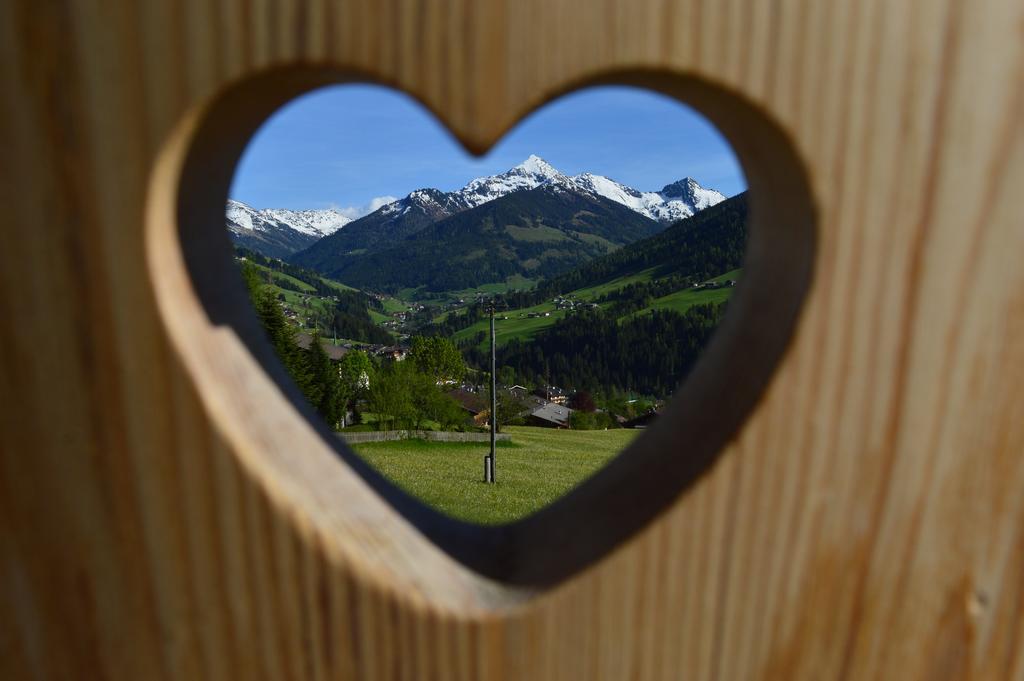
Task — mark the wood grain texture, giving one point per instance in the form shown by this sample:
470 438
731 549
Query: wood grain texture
865 522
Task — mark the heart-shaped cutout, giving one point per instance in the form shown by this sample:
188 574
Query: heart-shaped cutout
604 294
657 467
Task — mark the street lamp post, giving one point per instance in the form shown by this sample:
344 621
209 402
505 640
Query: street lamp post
489 459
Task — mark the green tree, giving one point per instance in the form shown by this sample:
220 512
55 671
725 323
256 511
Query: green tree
448 413
282 338
355 375
510 407
438 357
581 420
507 376
390 397
326 388
582 401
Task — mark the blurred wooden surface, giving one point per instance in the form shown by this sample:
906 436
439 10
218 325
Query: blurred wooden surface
866 522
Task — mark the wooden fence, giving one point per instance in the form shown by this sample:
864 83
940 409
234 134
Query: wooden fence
429 435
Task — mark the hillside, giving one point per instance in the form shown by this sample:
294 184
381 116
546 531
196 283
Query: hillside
354 251
533 233
312 302
699 247
387 225
663 272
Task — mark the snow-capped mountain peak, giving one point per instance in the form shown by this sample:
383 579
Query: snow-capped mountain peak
314 223
535 166
287 231
530 174
675 201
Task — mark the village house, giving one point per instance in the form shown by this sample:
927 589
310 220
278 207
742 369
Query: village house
552 393
550 415
334 352
393 352
518 391
472 403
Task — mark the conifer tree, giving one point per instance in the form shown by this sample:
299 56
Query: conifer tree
326 395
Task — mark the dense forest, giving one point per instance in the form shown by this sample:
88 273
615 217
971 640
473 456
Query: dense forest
649 353
692 250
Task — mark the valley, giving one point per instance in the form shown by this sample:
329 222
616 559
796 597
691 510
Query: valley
600 296
602 306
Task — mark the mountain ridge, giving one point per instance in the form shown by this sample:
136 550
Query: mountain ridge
283 233
533 233
338 255
279 232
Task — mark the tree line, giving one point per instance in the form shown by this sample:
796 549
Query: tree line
649 353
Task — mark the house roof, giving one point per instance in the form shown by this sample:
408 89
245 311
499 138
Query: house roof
471 402
555 413
335 352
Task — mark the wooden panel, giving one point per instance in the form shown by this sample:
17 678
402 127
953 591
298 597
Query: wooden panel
866 521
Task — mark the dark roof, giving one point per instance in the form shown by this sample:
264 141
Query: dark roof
335 352
471 402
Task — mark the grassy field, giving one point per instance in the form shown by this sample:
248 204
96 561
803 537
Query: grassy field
394 305
418 295
377 317
518 325
535 468
301 285
317 306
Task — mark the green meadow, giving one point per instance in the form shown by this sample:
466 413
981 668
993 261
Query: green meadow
536 467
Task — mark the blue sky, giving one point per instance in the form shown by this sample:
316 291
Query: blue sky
345 146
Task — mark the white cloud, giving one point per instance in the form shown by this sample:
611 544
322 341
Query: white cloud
380 201
356 212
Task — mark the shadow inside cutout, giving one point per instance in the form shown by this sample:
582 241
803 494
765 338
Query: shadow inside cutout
723 388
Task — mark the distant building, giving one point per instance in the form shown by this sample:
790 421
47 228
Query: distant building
518 391
552 393
334 352
473 404
550 415
394 352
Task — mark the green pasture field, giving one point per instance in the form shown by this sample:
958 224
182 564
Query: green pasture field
520 326
535 468
681 301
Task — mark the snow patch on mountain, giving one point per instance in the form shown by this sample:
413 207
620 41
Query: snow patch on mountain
530 174
674 202
314 223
